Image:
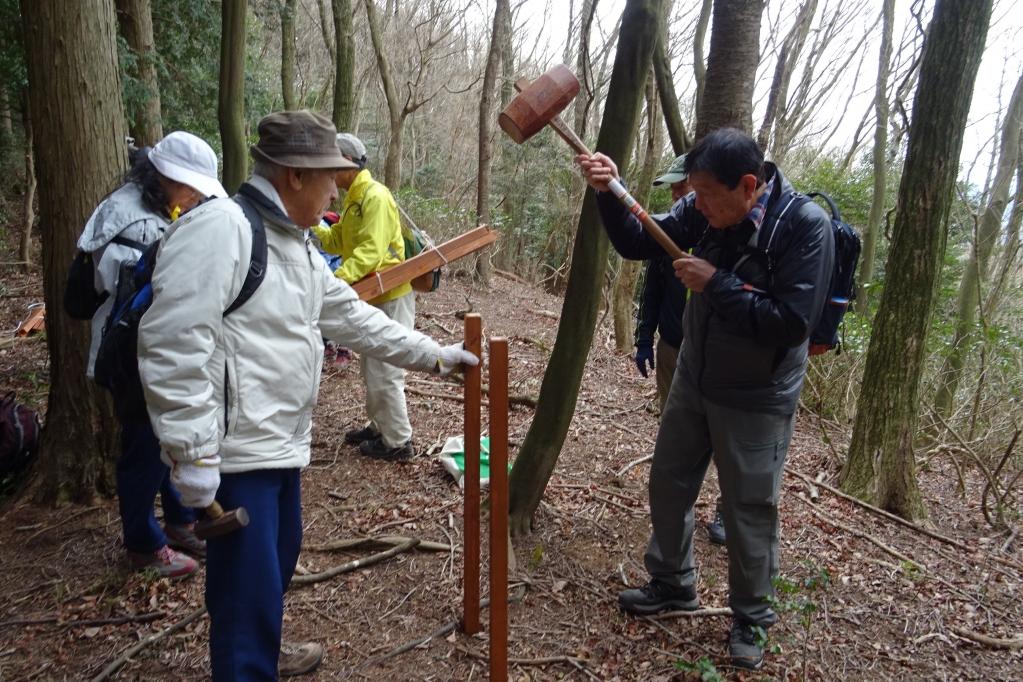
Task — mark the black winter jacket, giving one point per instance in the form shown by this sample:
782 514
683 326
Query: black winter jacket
743 348
661 305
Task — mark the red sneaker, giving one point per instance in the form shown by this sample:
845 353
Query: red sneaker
165 561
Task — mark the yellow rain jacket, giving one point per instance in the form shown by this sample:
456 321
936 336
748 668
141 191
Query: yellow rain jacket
368 236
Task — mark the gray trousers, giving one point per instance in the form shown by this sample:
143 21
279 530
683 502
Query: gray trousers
385 383
749 450
666 357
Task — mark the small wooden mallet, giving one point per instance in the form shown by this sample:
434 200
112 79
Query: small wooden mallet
219 522
539 104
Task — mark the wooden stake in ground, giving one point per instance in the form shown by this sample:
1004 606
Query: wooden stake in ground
471 480
498 509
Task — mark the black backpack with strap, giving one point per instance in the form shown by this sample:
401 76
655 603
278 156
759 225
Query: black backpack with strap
81 300
117 367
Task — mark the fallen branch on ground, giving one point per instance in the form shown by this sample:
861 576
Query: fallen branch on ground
698 613
992 642
60 523
354 565
118 620
152 639
383 541
633 463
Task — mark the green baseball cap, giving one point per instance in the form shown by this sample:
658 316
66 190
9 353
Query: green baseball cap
675 173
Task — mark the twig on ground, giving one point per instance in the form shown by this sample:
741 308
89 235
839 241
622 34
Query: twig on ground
354 565
60 523
991 642
152 639
633 463
698 613
118 620
382 541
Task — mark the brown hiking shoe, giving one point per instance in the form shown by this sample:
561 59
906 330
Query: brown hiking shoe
185 539
299 658
165 561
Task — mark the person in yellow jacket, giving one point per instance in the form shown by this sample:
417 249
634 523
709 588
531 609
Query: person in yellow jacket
368 238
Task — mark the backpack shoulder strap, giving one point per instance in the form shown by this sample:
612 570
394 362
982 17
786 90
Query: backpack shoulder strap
130 243
835 213
257 263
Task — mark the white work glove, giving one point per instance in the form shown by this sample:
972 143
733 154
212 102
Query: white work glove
197 481
452 358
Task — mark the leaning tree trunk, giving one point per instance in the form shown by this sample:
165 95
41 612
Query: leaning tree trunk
699 36
485 132
344 67
25 248
1010 248
560 388
231 101
623 296
978 265
75 97
288 54
881 468
135 18
788 57
680 142
395 118
731 67
881 111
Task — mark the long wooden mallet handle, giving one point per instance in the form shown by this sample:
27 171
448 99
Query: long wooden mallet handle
617 188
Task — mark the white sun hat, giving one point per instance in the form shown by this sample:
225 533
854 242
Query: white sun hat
187 159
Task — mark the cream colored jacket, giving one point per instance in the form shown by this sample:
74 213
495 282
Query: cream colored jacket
245 385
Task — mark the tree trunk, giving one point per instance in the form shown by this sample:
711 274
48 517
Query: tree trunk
559 390
328 40
1010 251
25 249
6 125
135 18
288 54
699 61
231 101
485 132
79 160
680 140
731 67
975 276
788 57
870 235
507 58
584 69
881 468
623 297
392 163
344 66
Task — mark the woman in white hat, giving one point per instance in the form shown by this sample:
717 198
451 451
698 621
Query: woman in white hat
177 174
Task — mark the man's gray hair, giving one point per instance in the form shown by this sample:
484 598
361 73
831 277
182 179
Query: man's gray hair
266 169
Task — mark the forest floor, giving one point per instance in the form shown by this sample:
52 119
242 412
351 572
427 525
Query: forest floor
865 598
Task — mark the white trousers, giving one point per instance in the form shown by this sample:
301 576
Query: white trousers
385 383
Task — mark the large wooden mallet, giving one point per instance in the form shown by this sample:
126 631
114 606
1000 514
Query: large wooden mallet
539 104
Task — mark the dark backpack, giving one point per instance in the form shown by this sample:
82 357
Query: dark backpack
19 435
842 291
81 300
117 367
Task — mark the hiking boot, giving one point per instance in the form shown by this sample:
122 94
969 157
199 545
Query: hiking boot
165 561
377 450
357 436
716 529
746 644
183 537
299 658
657 596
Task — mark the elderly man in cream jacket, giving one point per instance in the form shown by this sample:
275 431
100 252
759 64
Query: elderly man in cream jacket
231 397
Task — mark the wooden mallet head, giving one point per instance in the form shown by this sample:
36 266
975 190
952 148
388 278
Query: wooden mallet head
539 103
219 522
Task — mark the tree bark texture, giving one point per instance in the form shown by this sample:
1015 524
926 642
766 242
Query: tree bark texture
392 163
788 57
75 96
584 69
344 66
881 468
1010 250
680 140
135 18
486 129
231 100
880 155
699 59
288 54
975 276
731 67
560 387
25 248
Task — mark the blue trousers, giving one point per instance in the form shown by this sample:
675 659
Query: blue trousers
248 571
140 475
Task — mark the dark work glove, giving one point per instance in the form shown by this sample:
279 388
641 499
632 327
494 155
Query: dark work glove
644 356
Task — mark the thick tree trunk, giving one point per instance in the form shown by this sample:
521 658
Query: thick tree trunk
881 468
135 18
344 67
396 119
870 235
485 133
978 266
699 61
75 97
560 388
25 248
731 67
231 100
680 140
288 54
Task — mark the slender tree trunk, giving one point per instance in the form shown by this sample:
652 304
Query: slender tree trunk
485 132
881 467
344 66
231 101
699 60
396 121
75 97
1010 252
584 69
288 54
788 57
680 140
560 388
975 276
135 18
6 125
25 249
507 58
731 67
870 235
328 40
623 297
